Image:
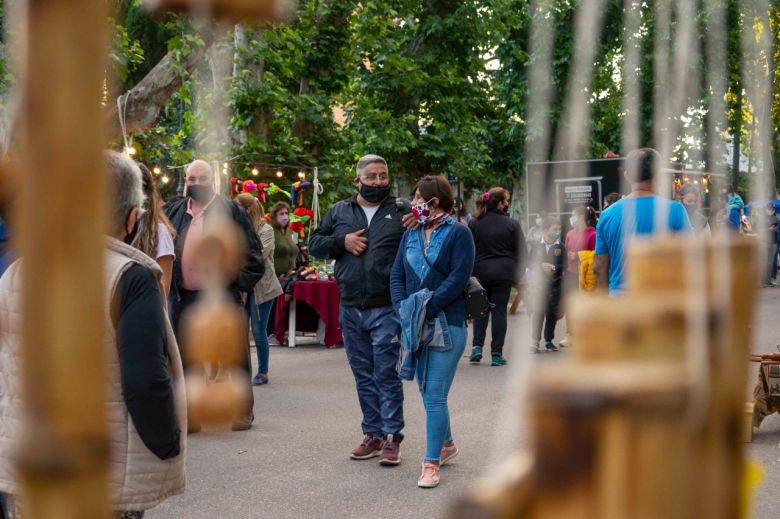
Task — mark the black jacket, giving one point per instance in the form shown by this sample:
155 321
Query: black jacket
253 267
500 248
557 256
364 281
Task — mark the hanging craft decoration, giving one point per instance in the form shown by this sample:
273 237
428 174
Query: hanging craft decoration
262 192
274 189
249 187
296 192
235 186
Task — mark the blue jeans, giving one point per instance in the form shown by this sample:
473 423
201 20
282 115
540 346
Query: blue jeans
373 347
258 319
438 368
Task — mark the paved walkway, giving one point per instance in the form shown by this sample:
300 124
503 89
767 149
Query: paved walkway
294 463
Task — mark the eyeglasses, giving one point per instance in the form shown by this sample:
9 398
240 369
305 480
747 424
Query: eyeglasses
383 177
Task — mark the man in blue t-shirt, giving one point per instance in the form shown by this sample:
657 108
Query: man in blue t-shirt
640 213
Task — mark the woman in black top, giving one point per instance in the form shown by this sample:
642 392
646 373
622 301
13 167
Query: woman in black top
500 255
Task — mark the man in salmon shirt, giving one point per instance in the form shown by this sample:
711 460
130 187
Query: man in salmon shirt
188 216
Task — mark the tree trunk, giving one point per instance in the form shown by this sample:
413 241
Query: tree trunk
737 140
144 103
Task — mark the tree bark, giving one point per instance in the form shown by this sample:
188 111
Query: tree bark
146 100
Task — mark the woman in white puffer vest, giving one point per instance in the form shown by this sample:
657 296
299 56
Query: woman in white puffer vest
145 402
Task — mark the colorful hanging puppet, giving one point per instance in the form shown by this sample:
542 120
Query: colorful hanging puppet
296 192
274 189
262 192
235 186
249 187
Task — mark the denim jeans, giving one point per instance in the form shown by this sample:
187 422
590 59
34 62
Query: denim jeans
258 321
438 368
498 294
373 346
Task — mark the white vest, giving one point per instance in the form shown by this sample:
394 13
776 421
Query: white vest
138 479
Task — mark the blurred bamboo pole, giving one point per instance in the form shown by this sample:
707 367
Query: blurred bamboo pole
626 428
64 454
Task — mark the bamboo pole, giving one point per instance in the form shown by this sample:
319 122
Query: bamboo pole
64 452
730 279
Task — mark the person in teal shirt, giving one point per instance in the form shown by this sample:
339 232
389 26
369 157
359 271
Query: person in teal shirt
641 213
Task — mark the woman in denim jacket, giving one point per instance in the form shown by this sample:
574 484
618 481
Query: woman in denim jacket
437 257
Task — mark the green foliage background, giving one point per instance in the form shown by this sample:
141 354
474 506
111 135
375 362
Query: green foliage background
435 86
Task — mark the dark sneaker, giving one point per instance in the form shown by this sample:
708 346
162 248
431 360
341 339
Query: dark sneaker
243 424
370 447
535 347
498 360
260 379
476 355
549 346
391 451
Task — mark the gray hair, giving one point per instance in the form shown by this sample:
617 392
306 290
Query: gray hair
365 160
125 188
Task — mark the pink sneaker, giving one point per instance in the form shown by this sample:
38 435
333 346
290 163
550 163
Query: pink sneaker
430 475
447 453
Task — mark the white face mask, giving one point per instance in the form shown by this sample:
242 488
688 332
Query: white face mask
573 221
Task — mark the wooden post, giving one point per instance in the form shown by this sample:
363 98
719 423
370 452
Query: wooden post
628 428
730 277
64 452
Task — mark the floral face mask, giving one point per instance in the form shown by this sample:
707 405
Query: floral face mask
423 213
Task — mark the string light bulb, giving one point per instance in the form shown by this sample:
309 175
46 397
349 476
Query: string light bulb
255 172
165 179
301 175
156 170
130 151
279 174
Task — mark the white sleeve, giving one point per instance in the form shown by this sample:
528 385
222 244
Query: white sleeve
164 242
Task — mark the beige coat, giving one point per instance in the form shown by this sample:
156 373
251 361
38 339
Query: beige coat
268 287
138 479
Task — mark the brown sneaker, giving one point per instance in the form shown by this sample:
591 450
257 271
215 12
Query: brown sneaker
430 477
391 451
447 453
370 447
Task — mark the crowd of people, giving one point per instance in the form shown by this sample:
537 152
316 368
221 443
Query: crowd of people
402 268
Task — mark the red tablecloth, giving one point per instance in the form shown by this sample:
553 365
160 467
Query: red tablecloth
323 297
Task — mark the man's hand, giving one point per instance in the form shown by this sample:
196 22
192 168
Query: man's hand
770 356
243 298
548 268
409 221
355 243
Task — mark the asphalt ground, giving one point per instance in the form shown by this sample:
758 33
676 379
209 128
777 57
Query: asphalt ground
294 463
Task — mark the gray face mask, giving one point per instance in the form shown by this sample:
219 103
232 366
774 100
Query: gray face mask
200 193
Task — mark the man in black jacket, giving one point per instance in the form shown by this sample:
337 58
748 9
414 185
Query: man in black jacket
188 216
362 234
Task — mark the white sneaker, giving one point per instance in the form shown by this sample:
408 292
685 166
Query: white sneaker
273 341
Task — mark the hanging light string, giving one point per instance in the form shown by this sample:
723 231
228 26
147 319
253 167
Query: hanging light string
266 165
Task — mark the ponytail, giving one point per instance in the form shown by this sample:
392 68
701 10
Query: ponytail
490 199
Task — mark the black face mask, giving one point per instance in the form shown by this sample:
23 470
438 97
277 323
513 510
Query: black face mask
200 193
374 194
130 238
